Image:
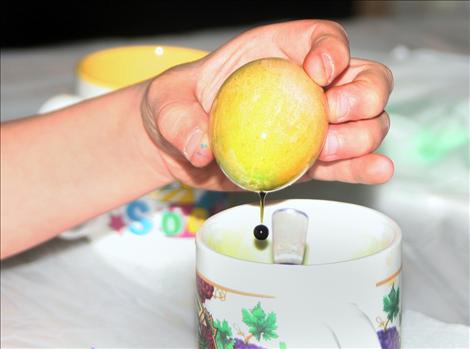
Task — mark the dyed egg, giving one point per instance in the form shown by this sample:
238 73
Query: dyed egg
268 124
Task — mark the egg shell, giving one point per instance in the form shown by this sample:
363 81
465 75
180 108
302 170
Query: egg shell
268 124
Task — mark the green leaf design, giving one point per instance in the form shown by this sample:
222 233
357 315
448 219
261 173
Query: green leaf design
223 337
392 303
259 323
282 345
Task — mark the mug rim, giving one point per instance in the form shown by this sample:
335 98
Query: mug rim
396 241
85 76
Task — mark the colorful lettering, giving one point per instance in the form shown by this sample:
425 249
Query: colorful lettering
141 225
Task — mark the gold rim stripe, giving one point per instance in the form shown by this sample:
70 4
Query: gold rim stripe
388 279
249 294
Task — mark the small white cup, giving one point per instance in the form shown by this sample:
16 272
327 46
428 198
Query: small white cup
104 71
109 69
346 294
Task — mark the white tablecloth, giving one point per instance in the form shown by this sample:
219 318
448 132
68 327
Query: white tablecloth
66 294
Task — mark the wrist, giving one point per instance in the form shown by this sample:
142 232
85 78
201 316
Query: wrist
145 149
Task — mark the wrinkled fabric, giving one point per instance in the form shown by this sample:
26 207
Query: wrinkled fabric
116 290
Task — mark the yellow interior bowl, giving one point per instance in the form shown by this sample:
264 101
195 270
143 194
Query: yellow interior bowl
122 66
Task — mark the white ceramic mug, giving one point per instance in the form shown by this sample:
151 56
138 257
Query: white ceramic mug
346 294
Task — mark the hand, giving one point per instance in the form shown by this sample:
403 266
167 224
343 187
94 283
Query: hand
176 106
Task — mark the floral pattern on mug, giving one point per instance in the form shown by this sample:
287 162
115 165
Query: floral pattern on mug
219 334
389 335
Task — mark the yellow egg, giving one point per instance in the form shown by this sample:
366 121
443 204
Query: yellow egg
268 124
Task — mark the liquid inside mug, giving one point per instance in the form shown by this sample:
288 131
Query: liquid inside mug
345 295
175 210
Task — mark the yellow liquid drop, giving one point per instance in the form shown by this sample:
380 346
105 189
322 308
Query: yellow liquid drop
262 198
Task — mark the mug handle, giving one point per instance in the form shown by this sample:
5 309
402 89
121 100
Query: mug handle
58 102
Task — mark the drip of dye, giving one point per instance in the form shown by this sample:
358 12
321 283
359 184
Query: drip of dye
261 232
262 197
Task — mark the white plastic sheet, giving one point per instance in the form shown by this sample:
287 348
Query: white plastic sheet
109 291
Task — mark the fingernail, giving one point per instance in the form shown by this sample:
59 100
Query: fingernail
193 143
318 71
331 144
203 146
328 66
202 154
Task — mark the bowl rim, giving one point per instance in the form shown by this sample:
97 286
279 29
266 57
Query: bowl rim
82 69
201 245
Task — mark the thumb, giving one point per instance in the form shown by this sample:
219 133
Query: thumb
329 54
184 125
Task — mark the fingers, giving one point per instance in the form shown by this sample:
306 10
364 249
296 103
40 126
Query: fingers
354 139
321 47
368 169
184 125
329 53
365 96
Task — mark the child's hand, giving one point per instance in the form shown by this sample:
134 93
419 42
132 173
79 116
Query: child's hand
95 155
177 103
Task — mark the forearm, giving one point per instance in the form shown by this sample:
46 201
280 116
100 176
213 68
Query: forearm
64 167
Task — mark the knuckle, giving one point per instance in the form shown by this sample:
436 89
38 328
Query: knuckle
167 120
385 123
368 141
375 102
322 24
331 25
331 28
341 30
389 76
162 116
371 137
384 71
